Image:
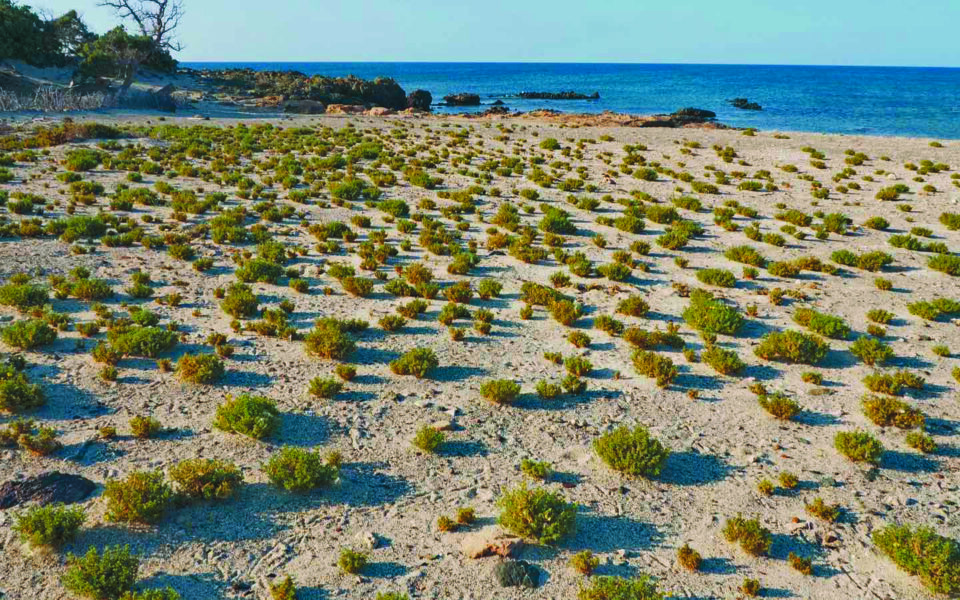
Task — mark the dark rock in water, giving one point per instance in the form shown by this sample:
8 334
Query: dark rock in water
559 96
694 113
46 489
744 104
419 100
498 103
516 573
462 100
497 110
304 107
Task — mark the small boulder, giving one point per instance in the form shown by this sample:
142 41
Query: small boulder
489 541
304 107
46 488
463 99
516 573
419 100
345 109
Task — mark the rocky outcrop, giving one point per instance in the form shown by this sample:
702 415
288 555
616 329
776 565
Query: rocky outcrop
744 104
559 96
463 99
489 541
293 85
46 488
419 100
516 573
345 109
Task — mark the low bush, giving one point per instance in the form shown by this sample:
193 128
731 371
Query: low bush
351 562
142 497
240 302
53 525
428 439
102 576
609 587
537 514
888 412
652 365
634 306
200 368
858 446
871 351
329 340
688 558
717 277
147 342
299 470
710 315
145 427
205 479
923 552
417 362
500 391
779 405
821 510
252 416
792 347
632 452
723 361
754 538
823 324
29 334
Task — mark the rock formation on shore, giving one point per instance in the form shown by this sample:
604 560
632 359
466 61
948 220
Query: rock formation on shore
462 99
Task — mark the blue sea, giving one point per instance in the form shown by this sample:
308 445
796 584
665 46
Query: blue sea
896 101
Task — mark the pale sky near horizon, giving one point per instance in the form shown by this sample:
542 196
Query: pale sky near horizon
810 32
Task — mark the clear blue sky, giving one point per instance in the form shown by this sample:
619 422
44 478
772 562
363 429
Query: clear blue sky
822 32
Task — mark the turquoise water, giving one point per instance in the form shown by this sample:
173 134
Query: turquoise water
898 101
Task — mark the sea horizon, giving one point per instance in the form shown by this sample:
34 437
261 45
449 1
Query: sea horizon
854 100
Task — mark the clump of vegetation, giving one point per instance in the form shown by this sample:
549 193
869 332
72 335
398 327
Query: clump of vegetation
29 334
858 446
428 439
652 365
500 391
145 427
142 497
299 470
351 561
710 315
754 538
923 552
886 412
632 452
617 588
792 347
871 351
324 387
688 558
107 575
417 362
52 526
200 368
537 514
205 479
822 510
252 416
584 562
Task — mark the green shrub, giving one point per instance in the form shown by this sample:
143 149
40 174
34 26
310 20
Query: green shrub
564 312
717 277
142 497
754 538
240 302
822 510
871 351
710 315
17 394
922 552
325 387
631 452
878 315
779 405
352 562
329 340
792 347
417 362
148 342
145 427
858 446
200 368
746 255
584 562
945 263
428 439
650 364
824 324
535 469
921 442
357 286
299 470
283 589
723 361
53 525
886 412
102 576
609 587
23 296
29 334
537 514
258 270
634 306
578 366
206 479
252 416
500 391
